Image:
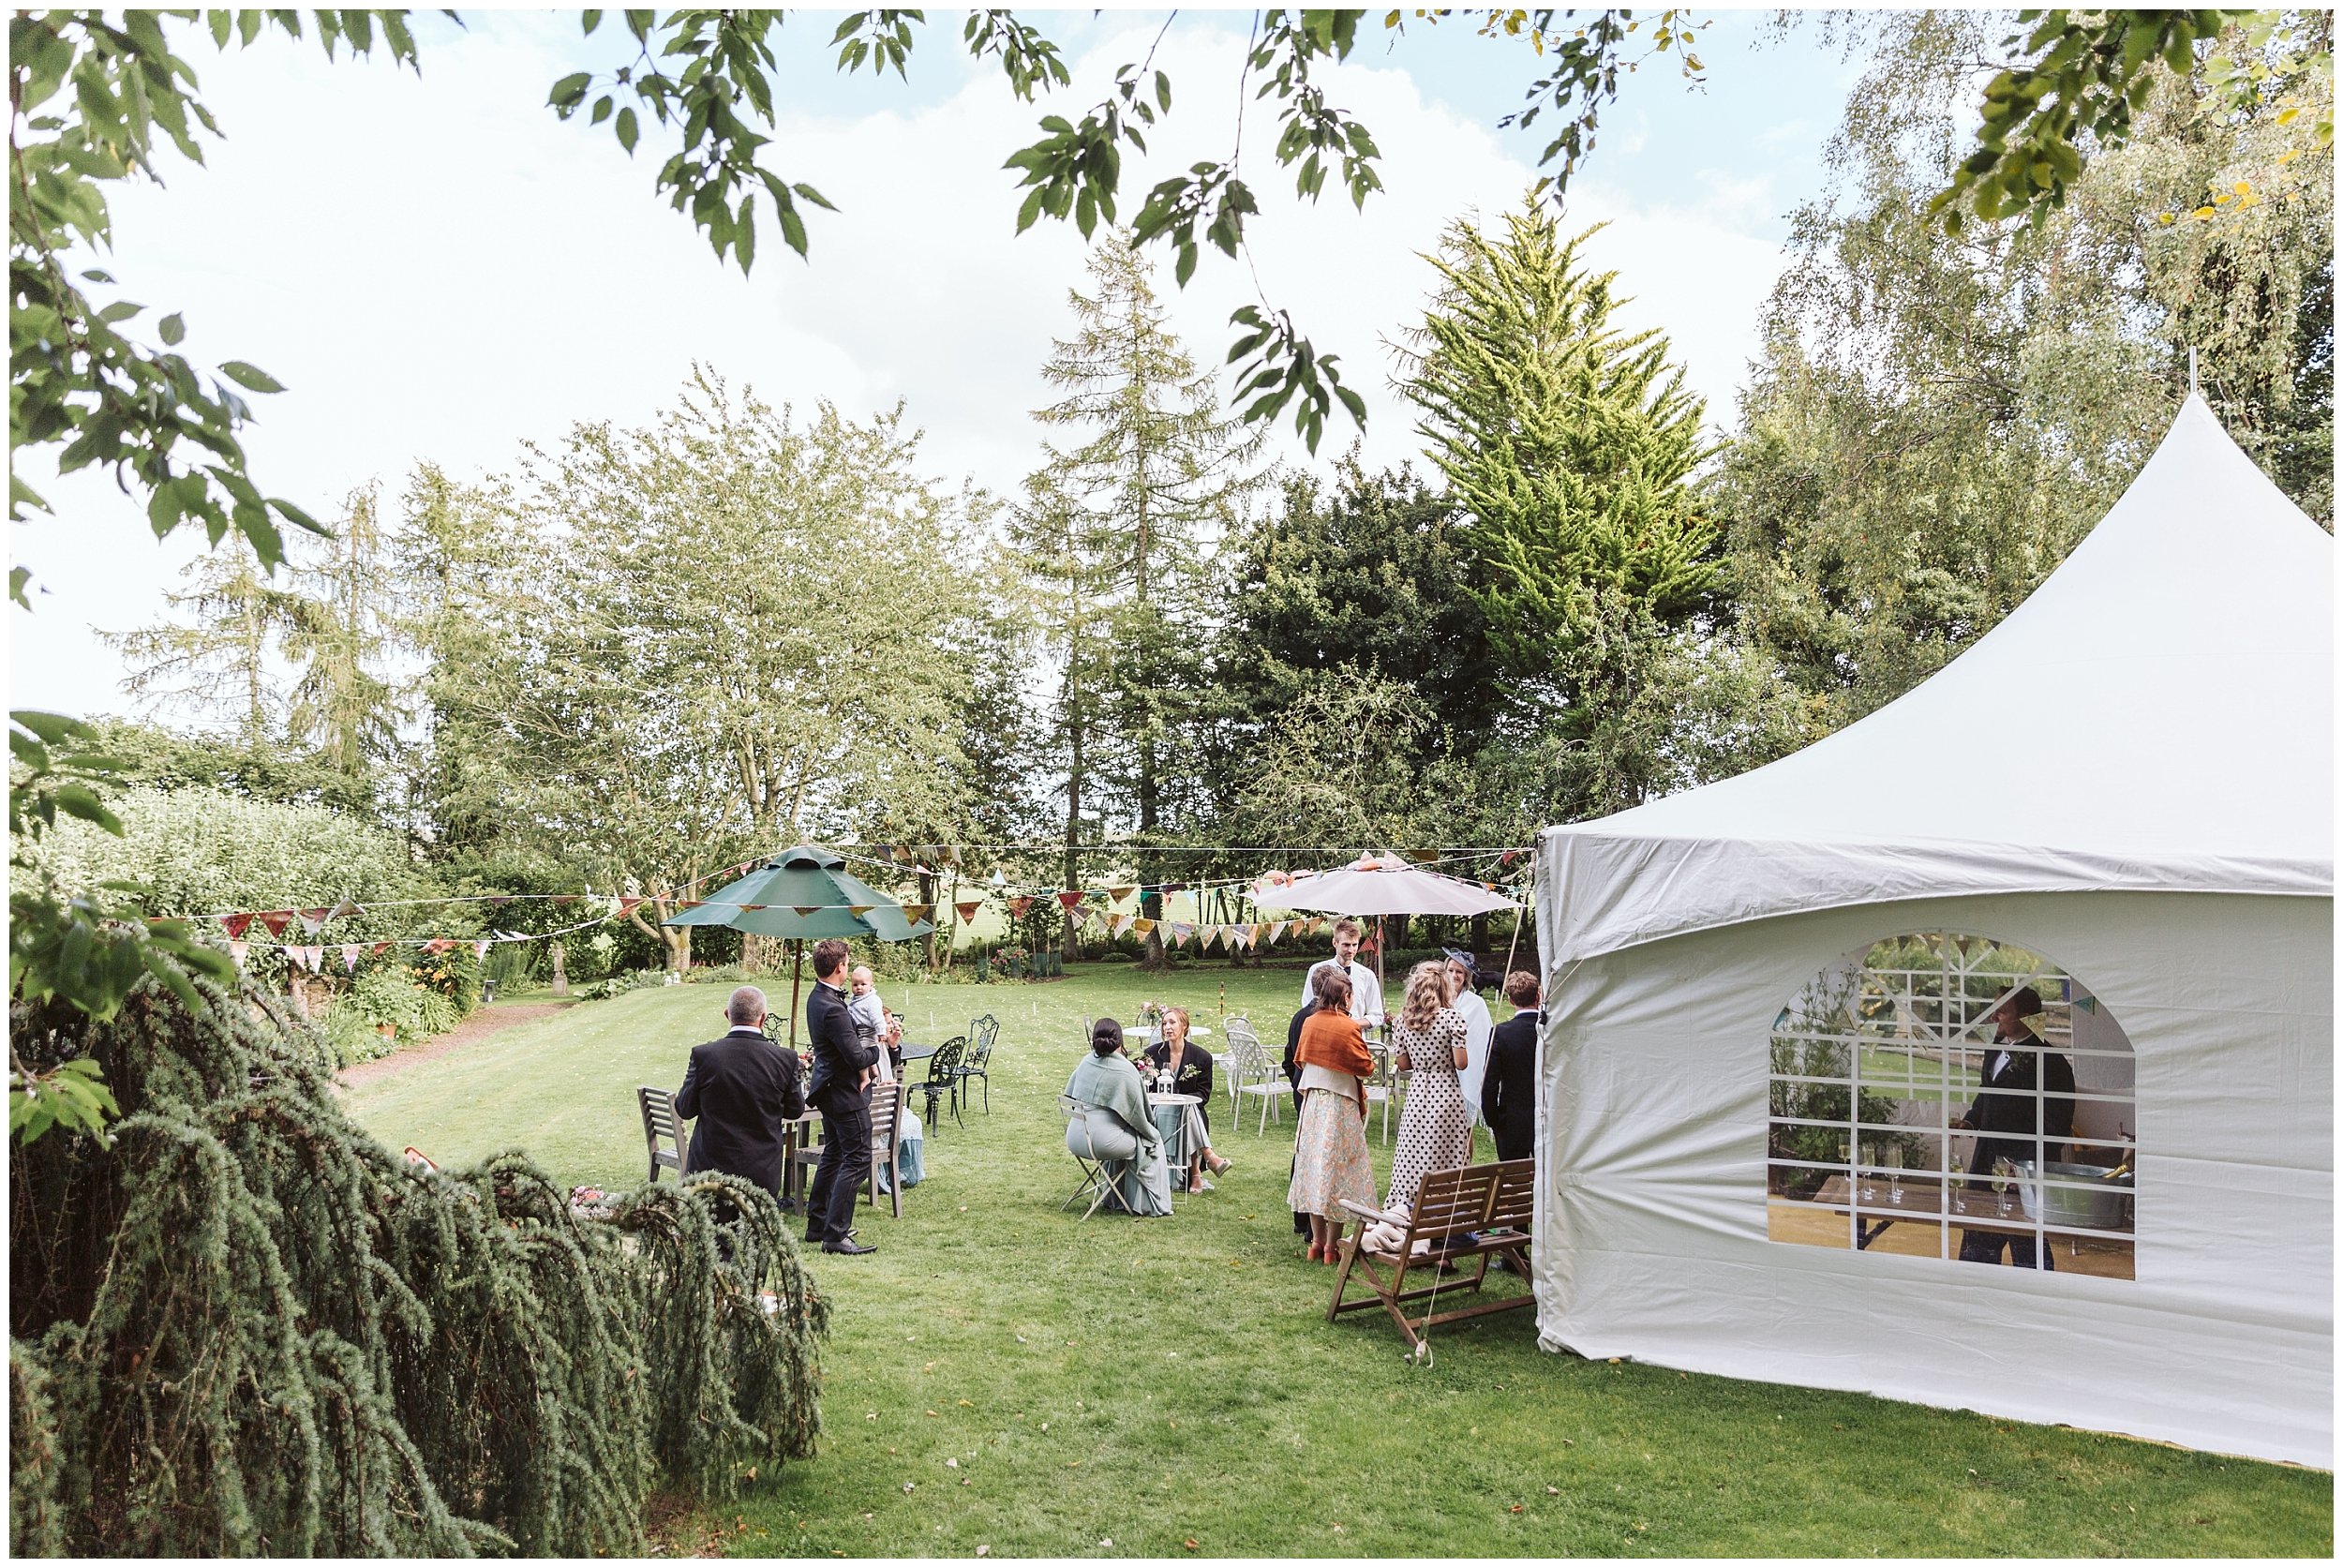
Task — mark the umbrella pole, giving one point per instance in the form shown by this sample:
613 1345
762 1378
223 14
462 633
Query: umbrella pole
797 973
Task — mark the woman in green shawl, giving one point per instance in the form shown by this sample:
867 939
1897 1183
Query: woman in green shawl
1117 1128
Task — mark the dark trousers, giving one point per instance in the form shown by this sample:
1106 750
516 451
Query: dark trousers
845 1166
1293 1079
1987 1247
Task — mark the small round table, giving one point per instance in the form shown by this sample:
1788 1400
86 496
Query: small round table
1171 1114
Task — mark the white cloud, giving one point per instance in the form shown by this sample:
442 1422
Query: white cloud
438 269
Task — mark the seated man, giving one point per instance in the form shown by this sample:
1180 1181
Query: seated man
741 1092
2004 1116
1117 1129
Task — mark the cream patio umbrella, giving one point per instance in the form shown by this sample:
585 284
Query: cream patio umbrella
1377 885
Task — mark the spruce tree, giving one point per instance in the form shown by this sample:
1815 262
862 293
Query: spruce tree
1120 533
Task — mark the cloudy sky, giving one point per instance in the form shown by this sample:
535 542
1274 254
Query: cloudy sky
438 269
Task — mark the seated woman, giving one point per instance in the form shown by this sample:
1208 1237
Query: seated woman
1190 1069
1117 1129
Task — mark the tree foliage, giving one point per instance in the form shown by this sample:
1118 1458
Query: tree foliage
243 1327
1937 419
1570 445
1119 532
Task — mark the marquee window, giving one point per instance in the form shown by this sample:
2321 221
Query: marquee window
1876 1065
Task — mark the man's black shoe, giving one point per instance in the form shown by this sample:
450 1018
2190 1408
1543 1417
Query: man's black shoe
847 1248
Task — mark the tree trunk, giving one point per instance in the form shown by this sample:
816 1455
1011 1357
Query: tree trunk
561 969
927 896
677 941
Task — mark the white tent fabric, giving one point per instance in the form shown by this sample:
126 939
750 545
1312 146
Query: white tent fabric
2169 840
2188 643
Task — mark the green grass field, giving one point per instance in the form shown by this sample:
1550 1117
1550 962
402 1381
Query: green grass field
1007 1376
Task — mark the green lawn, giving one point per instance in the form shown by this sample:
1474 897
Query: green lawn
1162 1381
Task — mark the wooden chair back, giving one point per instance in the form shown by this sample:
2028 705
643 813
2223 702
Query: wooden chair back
887 1104
659 1122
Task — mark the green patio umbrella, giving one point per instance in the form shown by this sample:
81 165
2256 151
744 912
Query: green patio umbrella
802 895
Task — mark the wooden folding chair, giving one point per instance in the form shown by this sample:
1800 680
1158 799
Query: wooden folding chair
659 1121
887 1104
1491 1203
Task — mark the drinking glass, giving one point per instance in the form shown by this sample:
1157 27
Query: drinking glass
1870 1157
1895 1173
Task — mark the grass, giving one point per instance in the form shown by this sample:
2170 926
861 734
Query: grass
1004 1375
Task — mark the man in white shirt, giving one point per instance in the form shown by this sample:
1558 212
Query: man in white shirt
1477 1023
1366 992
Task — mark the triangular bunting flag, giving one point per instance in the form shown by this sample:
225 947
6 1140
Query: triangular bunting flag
237 947
311 920
236 924
968 911
914 913
350 958
438 943
1120 923
1070 897
480 947
314 956
1017 906
1277 930
1142 925
1119 894
858 910
626 905
276 920
381 948
805 909
346 907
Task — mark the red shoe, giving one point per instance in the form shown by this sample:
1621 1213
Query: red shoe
1318 1253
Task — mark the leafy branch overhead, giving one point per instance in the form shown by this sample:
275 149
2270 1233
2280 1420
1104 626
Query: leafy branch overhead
91 96
2077 78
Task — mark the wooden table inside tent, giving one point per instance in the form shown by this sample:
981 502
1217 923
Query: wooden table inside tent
1879 1202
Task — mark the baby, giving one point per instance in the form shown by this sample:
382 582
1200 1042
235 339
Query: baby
868 1012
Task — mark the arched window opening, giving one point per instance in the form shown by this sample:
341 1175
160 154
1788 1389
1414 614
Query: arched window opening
1947 1095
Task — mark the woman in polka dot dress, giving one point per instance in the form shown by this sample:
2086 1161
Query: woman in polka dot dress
1435 1129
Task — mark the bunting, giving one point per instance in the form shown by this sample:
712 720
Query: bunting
968 911
350 958
1018 906
381 948
276 920
480 949
1119 894
805 909
237 947
1070 897
236 924
1181 931
914 913
311 920
1142 925
858 910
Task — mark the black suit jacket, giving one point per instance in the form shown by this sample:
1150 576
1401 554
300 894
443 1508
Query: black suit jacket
739 1091
1509 1089
2004 1102
839 1056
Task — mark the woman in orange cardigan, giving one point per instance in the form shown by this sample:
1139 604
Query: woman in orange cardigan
1330 1162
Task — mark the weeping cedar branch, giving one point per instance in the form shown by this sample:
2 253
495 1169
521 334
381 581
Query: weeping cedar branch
244 1326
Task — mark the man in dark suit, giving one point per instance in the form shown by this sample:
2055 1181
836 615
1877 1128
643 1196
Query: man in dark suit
839 1090
2003 1114
740 1093
1509 1094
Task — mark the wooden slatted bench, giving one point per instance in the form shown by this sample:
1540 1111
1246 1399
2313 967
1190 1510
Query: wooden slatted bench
1493 1202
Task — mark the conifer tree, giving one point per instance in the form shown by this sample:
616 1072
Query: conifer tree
1570 444
1122 530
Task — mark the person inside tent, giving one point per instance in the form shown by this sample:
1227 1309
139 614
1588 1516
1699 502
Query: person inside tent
2012 1121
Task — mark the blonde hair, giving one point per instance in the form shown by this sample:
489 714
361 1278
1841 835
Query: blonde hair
1427 993
1185 1026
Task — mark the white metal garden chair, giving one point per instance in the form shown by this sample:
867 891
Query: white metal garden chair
1254 1075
